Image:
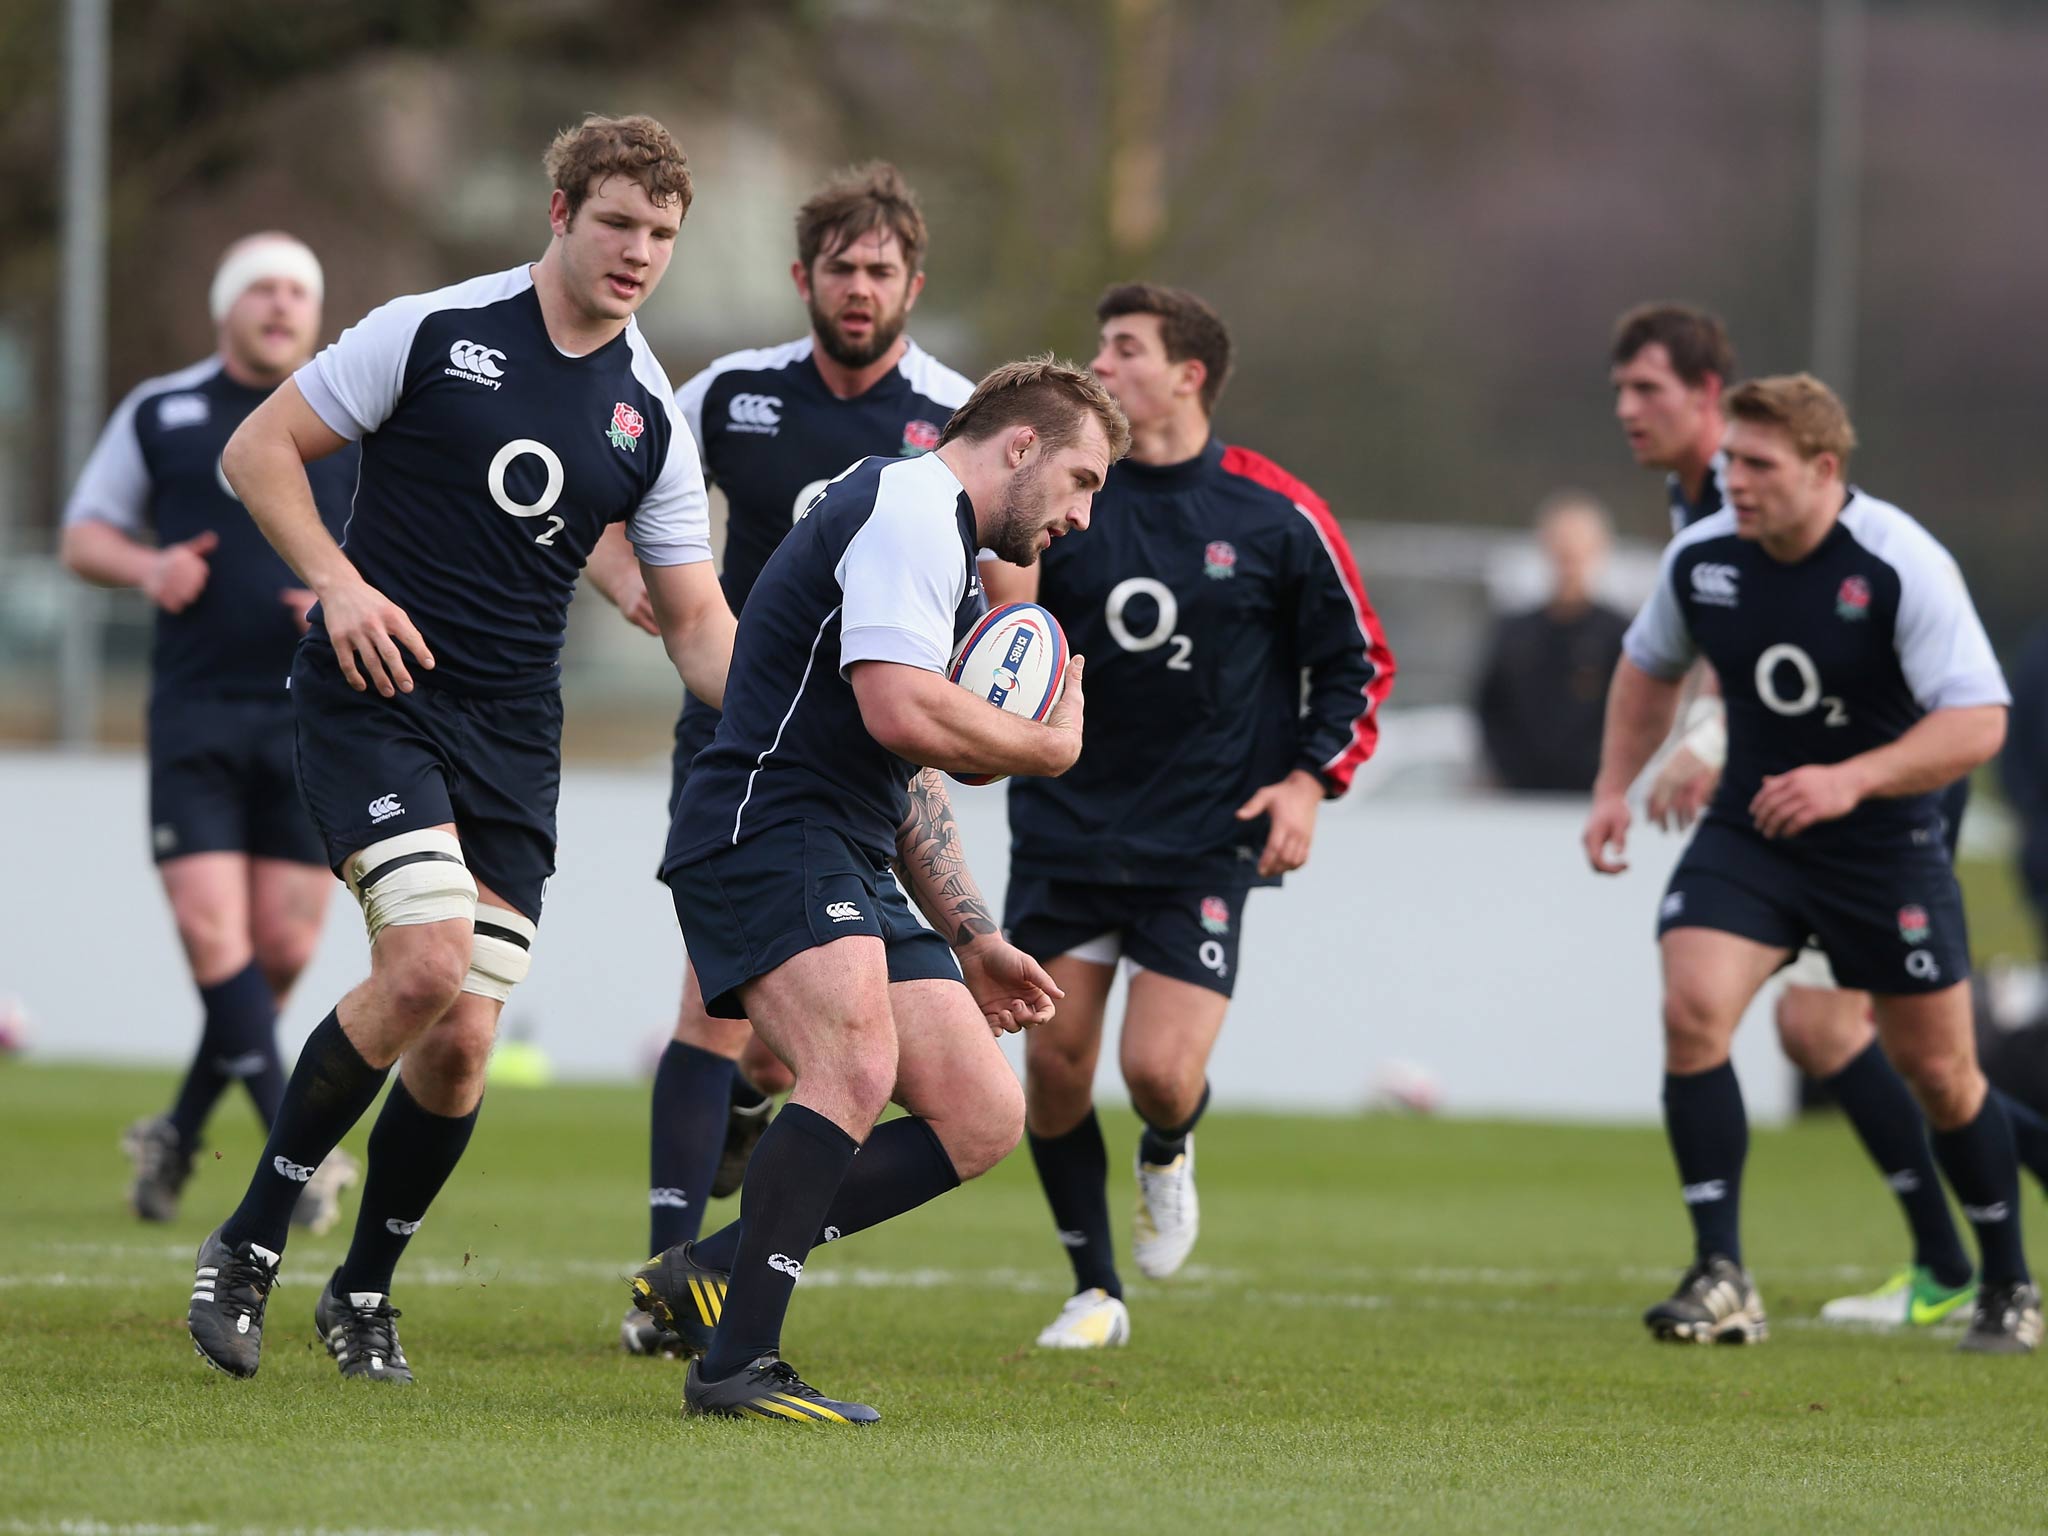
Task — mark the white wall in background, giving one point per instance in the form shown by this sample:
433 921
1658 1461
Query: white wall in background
1465 936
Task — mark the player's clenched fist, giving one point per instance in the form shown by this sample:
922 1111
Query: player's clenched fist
367 629
1067 715
1607 828
178 574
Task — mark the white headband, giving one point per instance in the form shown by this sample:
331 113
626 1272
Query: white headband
253 261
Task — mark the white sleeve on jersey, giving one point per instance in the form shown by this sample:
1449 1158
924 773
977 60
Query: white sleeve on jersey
690 401
672 524
1658 641
1943 651
903 577
114 485
354 383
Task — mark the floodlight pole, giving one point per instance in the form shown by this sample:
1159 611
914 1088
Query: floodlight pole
82 337
1838 199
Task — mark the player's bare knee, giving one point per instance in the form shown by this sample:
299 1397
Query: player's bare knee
420 972
1696 1033
983 1122
283 953
1164 1092
213 942
763 1068
1947 1083
447 1065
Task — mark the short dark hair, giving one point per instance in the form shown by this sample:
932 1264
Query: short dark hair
871 195
1043 393
1696 342
1188 328
637 147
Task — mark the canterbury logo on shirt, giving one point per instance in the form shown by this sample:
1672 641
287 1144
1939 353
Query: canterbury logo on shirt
1715 584
842 912
755 413
476 363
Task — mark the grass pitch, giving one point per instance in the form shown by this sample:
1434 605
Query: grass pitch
1388 1325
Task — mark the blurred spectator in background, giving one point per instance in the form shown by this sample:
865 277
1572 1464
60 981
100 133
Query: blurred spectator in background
2024 768
1543 690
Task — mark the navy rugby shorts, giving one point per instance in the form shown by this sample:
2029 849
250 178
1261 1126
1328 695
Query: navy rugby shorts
798 885
371 767
1187 932
220 781
695 727
1889 917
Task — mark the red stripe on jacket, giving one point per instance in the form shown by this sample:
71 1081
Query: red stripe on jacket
1379 656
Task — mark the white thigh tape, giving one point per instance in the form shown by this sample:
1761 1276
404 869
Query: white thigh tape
500 954
1706 732
416 877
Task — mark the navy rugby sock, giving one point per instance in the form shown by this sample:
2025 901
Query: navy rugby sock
1889 1124
238 1040
412 1152
1073 1169
692 1092
1160 1145
902 1166
327 1093
1978 1159
2029 1135
1709 1131
795 1172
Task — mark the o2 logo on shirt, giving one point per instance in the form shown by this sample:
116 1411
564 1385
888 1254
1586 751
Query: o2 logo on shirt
1808 698
806 499
1161 631
519 448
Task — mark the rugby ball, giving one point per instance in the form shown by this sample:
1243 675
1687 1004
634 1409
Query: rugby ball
1016 658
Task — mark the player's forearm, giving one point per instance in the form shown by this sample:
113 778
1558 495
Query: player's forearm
702 653
925 719
269 476
1640 709
105 556
934 865
696 624
612 567
1941 748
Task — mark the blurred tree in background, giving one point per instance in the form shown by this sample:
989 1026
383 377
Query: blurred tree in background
1420 218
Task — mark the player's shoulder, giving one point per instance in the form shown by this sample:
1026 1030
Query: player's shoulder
472 293
1713 534
188 380
918 497
1263 477
932 379
736 366
1895 537
646 367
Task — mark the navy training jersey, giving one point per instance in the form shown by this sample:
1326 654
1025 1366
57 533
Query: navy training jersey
771 434
1201 593
881 569
1822 658
156 467
491 464
1713 495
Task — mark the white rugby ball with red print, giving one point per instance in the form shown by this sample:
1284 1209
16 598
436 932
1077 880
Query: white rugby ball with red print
1015 657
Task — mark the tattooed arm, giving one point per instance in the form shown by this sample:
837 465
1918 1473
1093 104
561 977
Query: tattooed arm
934 866
1011 989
